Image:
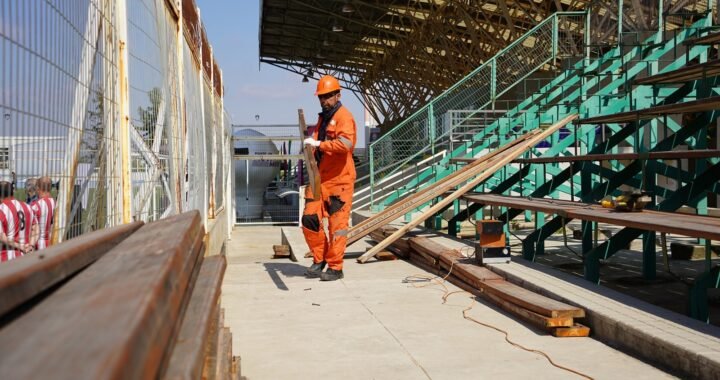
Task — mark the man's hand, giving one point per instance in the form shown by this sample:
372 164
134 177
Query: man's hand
311 141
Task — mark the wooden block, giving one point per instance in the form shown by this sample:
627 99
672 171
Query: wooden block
188 355
577 330
236 370
385 256
26 277
281 251
118 315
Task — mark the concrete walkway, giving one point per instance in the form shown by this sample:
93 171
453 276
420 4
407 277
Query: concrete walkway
372 325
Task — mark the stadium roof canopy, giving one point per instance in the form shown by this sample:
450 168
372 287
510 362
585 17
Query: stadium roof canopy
396 54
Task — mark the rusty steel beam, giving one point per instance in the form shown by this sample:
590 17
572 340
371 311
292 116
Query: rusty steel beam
117 317
188 355
28 276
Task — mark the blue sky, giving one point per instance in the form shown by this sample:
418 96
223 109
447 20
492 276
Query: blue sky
258 89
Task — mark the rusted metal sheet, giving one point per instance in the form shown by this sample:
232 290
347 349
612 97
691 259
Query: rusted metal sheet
24 278
116 318
188 355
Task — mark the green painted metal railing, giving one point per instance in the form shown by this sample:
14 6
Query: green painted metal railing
422 133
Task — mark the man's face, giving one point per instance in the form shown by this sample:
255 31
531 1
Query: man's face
328 101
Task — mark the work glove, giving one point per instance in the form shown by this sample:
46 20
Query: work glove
311 141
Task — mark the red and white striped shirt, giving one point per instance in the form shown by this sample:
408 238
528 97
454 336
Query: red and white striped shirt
17 220
44 210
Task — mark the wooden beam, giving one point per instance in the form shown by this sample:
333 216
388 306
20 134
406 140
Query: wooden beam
708 39
702 105
667 155
312 165
684 74
649 220
28 276
428 193
488 169
116 318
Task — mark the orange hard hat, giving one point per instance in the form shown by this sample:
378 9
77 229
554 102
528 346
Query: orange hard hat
326 85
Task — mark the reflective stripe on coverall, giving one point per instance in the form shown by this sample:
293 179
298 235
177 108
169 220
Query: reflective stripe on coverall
337 182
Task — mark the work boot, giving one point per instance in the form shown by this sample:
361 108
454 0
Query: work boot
331 275
315 270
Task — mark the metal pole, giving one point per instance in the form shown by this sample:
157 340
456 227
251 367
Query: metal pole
124 108
620 21
372 174
661 18
77 114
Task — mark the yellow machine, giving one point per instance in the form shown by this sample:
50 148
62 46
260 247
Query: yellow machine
627 202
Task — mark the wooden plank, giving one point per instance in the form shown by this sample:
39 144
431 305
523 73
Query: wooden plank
489 282
650 220
708 39
531 300
533 318
312 165
114 319
701 105
683 74
26 277
489 169
668 155
576 330
428 193
188 355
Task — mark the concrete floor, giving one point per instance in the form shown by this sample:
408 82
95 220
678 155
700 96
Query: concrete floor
372 325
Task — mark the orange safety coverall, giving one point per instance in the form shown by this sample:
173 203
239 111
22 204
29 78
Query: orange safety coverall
337 182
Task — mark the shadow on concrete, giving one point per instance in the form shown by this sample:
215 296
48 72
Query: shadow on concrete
275 270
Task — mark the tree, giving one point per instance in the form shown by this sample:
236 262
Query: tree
149 115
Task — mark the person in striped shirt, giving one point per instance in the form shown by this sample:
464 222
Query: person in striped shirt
18 224
44 210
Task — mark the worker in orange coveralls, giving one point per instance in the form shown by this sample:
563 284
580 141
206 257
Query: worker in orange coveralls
332 143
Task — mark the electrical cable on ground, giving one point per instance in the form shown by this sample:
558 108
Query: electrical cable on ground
437 280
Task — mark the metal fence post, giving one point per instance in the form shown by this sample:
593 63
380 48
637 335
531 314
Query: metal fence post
371 154
493 81
124 108
431 125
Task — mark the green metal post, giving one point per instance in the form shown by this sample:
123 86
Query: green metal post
661 19
555 36
431 125
371 152
493 80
